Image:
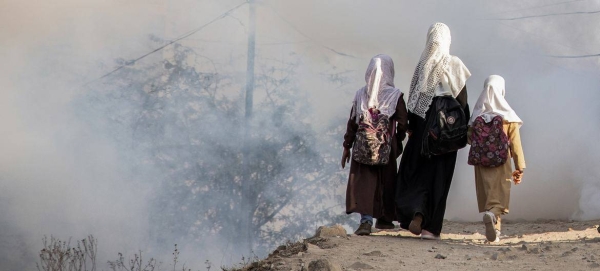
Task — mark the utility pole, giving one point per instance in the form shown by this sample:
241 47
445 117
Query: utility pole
248 200
251 55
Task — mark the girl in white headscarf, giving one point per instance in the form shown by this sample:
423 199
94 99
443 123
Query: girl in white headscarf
424 182
370 190
493 183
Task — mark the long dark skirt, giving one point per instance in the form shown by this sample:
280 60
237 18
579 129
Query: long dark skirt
371 190
423 182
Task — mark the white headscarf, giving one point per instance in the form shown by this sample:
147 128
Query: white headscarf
491 102
435 63
379 92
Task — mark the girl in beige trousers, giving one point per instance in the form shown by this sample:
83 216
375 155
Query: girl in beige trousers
493 184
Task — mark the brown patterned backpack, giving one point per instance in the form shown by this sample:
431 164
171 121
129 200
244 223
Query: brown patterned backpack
373 142
489 143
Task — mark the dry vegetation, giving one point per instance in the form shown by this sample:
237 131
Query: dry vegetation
539 245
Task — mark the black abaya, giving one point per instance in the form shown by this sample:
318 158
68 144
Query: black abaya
424 182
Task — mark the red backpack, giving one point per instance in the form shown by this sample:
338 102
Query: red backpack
489 143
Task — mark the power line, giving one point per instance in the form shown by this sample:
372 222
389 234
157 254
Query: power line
549 40
131 62
543 15
306 36
580 56
536 7
554 56
529 35
285 42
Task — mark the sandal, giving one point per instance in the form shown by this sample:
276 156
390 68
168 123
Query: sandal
427 235
363 229
489 219
415 224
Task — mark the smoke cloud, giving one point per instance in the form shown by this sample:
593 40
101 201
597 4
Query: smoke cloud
64 172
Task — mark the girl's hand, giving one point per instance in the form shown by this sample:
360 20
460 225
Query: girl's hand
517 176
345 157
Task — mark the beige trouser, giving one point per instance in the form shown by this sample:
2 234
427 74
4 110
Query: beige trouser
493 190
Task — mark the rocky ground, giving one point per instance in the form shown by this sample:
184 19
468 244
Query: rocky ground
540 245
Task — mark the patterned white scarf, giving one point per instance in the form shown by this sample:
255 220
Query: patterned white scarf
435 63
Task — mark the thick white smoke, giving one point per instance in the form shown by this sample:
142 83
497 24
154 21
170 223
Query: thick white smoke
59 177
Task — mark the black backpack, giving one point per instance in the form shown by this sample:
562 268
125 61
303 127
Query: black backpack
446 127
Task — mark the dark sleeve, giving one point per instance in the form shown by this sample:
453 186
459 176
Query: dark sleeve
462 98
412 121
401 119
351 128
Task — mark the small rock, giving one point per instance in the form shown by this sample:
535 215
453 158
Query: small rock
594 265
566 253
440 256
575 249
523 247
359 265
535 251
313 249
494 256
323 265
433 247
300 254
429 250
375 253
333 231
512 257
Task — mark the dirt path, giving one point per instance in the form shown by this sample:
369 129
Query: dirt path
540 245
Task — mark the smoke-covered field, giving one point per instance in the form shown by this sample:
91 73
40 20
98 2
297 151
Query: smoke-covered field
160 151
